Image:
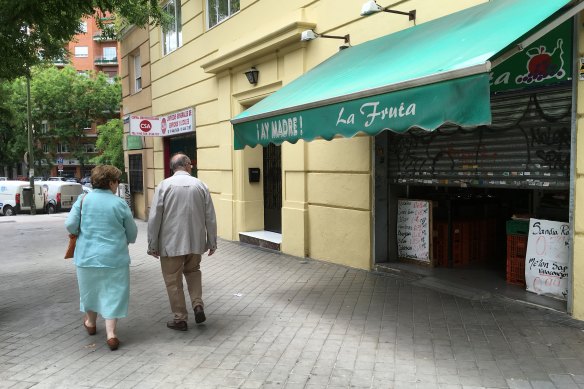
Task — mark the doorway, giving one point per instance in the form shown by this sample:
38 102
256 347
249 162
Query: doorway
186 144
272 161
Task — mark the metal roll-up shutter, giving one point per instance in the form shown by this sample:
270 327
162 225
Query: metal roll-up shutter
526 146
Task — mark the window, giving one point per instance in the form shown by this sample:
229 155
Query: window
83 26
219 10
44 127
137 73
172 34
46 149
136 175
89 147
81 51
109 53
62 148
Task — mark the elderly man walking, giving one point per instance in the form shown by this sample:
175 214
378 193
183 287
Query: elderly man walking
182 226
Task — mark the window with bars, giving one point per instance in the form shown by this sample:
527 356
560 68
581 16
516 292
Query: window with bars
136 173
219 10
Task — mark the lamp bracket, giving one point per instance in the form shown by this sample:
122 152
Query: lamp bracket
346 38
411 14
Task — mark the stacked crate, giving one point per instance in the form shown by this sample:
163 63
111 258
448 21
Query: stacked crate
516 250
473 242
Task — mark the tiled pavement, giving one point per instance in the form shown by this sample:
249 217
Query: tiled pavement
273 321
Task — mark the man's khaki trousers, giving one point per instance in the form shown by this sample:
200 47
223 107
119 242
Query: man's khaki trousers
173 269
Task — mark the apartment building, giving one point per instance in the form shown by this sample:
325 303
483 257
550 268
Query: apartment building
423 134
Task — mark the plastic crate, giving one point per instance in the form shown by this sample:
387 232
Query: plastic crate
517 227
440 244
516 250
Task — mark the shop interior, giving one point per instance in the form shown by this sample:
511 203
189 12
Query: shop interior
479 236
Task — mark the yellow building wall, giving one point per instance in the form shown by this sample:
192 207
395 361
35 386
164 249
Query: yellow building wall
136 41
577 260
326 186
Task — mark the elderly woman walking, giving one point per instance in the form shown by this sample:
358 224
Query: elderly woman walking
104 225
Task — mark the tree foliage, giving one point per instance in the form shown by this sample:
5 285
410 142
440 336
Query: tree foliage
66 101
13 136
110 143
36 31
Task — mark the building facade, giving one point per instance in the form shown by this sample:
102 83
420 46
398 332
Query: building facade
338 195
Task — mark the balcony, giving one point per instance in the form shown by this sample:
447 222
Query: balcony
60 62
103 61
101 37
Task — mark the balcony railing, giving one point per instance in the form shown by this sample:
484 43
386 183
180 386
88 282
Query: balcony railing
99 36
103 61
60 62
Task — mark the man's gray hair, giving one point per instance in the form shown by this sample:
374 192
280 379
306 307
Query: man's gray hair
179 161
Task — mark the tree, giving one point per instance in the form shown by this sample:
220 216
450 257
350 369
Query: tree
12 136
110 142
68 102
36 31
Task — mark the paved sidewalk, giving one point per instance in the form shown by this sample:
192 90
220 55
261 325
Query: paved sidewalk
274 321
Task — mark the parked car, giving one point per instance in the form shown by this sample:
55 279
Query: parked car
85 180
57 179
3 178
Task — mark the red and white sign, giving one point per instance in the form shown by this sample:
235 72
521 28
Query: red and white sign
178 122
145 126
174 123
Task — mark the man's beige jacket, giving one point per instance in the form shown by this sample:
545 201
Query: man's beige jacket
182 217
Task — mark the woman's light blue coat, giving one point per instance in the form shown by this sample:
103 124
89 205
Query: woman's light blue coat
107 227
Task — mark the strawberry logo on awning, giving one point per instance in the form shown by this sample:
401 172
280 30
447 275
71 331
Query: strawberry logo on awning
145 125
542 65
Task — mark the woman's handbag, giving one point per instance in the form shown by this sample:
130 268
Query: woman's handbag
73 238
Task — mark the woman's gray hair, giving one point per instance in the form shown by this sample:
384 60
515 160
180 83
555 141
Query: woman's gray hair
179 161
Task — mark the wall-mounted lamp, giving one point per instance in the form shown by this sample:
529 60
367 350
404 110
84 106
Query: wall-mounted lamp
252 75
309 35
371 7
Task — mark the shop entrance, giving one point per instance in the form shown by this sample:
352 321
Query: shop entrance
272 178
484 185
186 144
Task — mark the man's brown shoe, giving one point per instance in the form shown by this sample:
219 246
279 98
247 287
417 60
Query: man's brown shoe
177 325
199 314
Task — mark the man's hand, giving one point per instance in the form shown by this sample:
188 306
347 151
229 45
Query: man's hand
154 253
211 252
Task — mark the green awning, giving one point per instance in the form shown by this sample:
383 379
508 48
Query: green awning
427 75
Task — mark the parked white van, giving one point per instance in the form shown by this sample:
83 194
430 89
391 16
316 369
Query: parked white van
59 195
15 197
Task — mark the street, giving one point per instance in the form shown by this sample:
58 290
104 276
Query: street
273 321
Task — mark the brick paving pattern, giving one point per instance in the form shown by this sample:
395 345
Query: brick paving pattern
276 321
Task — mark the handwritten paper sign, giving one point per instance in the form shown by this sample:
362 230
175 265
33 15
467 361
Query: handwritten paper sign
413 229
546 260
